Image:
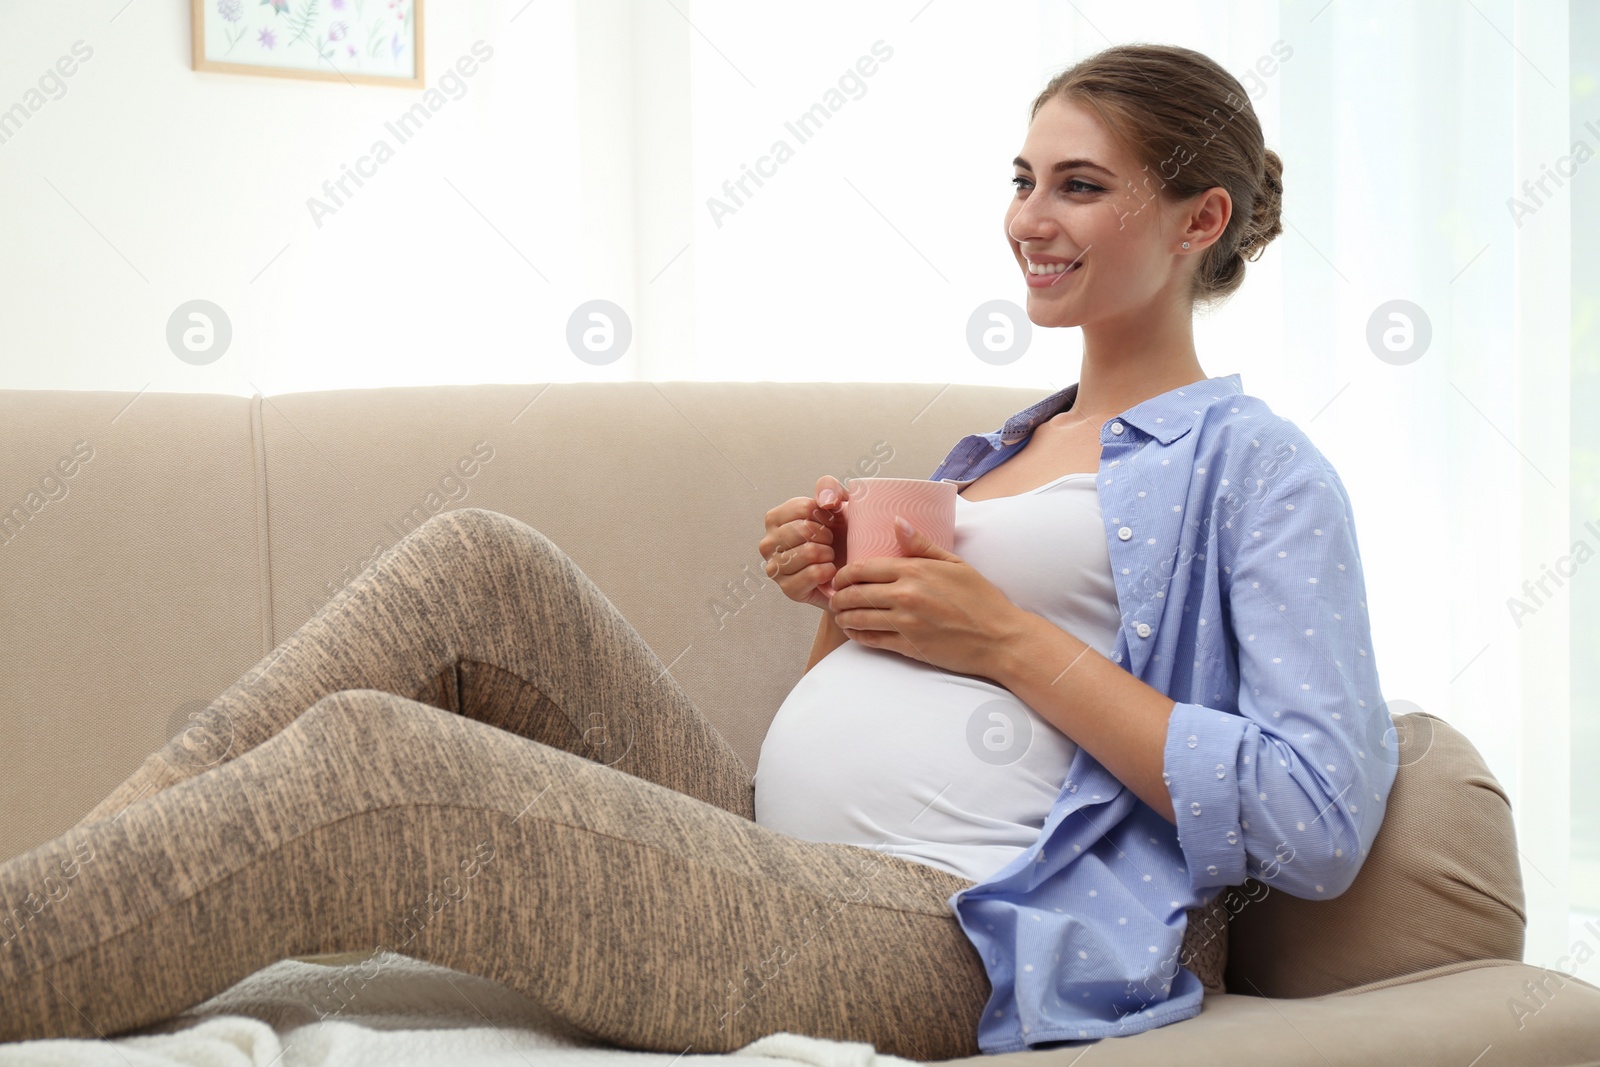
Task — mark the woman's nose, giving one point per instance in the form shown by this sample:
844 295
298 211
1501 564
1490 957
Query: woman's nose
1028 226
1028 222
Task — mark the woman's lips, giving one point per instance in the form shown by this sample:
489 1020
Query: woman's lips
1045 281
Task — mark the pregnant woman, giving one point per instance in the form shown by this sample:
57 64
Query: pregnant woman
993 813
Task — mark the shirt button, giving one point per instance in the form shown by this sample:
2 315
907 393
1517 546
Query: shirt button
1143 629
1194 809
1194 740
1124 533
1212 870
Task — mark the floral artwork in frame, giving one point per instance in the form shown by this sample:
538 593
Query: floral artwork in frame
376 42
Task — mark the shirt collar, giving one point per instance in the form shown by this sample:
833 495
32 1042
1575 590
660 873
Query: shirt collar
1166 417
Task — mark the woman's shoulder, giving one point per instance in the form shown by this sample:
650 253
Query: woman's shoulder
1246 455
1251 446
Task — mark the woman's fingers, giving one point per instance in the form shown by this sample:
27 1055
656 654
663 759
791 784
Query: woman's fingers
798 547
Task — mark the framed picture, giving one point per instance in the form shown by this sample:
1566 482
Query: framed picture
373 42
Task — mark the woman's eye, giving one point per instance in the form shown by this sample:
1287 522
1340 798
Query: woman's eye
1075 185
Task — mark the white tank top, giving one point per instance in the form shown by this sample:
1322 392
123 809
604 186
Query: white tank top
878 749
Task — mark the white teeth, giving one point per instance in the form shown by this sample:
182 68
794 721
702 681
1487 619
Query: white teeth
1049 268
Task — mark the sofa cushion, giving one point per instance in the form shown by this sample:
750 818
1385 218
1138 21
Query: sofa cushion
656 490
132 586
1440 885
1465 1014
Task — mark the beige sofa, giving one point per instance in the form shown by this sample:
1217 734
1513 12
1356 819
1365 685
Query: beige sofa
154 546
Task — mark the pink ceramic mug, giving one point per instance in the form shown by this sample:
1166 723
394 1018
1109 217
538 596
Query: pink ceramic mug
929 506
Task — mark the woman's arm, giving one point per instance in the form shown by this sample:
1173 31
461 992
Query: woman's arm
1305 770
1120 720
1300 769
829 637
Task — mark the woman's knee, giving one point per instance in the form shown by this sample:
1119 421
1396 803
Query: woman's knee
483 526
381 749
489 535
372 722
364 717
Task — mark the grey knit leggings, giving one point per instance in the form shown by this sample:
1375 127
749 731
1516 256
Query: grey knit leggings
470 757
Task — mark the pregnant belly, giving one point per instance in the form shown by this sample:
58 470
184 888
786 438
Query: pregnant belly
872 747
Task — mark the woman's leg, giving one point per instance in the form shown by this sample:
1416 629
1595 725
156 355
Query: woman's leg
640 914
478 613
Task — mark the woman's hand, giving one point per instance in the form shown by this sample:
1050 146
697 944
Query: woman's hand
932 606
798 544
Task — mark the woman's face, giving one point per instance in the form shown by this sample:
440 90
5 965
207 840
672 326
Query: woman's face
1100 212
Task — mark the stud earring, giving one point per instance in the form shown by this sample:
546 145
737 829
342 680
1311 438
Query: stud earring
1186 244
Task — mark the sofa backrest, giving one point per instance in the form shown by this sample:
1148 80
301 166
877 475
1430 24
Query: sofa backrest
154 546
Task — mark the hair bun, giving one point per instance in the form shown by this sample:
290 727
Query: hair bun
1272 172
1266 214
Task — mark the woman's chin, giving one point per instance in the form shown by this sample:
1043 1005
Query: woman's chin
1041 313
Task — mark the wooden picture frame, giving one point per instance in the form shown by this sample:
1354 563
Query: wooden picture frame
367 42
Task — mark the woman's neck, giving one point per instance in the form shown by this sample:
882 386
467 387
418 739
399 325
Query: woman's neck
1104 392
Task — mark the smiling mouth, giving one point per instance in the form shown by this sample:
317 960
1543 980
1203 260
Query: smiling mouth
1045 280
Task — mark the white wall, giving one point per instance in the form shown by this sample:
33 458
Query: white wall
148 184
577 163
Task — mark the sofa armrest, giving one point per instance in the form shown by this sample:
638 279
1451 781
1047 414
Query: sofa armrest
1440 885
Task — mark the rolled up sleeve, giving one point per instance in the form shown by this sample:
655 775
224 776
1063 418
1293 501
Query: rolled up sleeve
1290 789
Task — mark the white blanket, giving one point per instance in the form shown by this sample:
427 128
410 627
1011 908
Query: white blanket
393 1011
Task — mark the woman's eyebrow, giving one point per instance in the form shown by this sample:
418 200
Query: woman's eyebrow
1065 164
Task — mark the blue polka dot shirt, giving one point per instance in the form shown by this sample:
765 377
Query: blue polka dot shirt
1239 583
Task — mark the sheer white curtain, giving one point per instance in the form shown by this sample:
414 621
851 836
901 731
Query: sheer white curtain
1584 131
